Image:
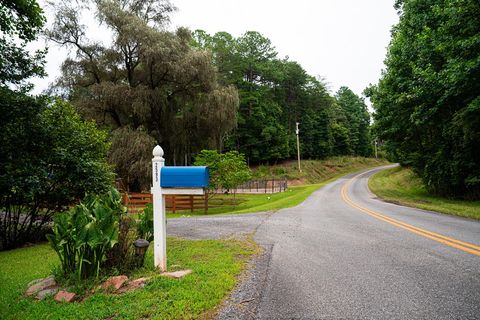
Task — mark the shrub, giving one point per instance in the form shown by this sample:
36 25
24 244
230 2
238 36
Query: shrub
227 170
49 158
121 257
82 236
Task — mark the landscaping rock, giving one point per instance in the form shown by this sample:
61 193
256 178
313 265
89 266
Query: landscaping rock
40 284
31 283
176 274
114 283
65 296
46 293
133 285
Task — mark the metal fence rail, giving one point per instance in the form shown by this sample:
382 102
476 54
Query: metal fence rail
260 186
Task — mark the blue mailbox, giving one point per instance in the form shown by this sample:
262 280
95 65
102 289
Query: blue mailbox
184 177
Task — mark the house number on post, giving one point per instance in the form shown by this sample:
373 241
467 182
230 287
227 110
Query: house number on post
171 181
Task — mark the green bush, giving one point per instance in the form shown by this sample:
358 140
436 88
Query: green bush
121 257
83 236
49 158
427 102
227 170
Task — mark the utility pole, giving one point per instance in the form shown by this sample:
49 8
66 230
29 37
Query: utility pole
297 131
376 154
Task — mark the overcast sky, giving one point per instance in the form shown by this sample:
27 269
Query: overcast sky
342 41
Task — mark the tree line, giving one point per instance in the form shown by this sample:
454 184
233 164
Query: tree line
276 93
427 103
190 91
146 85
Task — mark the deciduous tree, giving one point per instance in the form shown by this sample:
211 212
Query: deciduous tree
49 159
147 79
427 103
357 120
227 170
20 23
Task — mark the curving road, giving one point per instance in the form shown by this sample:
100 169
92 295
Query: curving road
343 254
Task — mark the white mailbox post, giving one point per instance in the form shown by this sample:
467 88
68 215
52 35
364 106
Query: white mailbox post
178 180
159 219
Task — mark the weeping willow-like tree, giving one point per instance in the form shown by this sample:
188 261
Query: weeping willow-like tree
147 84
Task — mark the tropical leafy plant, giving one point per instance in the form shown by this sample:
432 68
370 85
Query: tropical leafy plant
82 236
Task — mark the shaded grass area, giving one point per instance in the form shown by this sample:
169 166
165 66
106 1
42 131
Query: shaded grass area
403 186
321 171
215 265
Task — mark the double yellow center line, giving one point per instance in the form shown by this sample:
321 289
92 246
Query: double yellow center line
473 249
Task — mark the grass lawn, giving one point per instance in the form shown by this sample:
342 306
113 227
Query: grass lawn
401 185
320 172
215 264
255 202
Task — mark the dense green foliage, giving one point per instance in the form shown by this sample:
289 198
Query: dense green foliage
428 100
356 120
146 85
20 23
275 94
49 158
83 235
227 170
192 92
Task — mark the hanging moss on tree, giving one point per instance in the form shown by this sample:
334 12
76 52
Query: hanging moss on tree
147 82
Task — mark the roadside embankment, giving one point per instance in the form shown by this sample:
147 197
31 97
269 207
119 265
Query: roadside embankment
401 185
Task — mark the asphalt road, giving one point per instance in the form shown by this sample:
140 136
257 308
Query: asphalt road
343 254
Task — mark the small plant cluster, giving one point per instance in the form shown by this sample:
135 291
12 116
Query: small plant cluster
95 235
145 223
227 170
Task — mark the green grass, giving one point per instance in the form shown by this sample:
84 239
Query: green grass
256 202
315 171
403 186
320 172
215 264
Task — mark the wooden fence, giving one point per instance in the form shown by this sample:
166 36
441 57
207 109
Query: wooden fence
178 202
136 202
